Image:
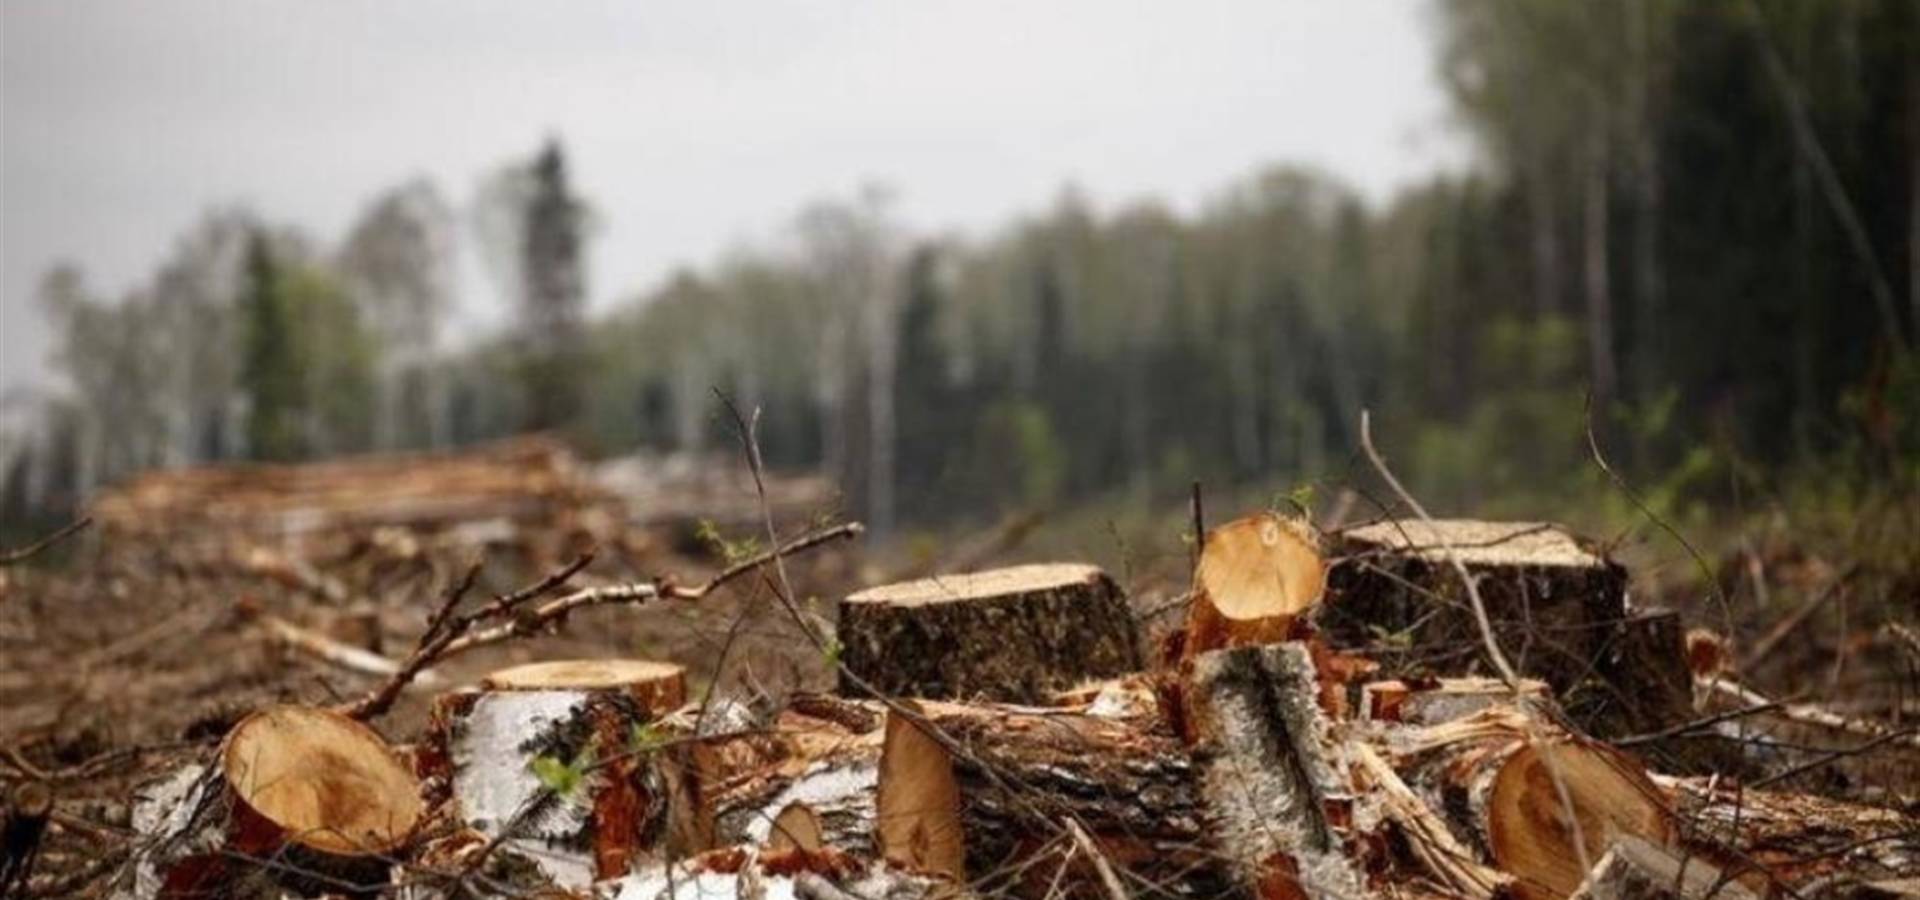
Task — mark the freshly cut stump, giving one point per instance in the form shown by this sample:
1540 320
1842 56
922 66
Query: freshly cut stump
1257 576
549 753
919 801
1275 783
1511 784
1015 635
321 796
1023 773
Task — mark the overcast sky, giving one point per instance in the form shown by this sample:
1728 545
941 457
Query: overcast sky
692 125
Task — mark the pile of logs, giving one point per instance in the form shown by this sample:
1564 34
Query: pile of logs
1325 725
513 480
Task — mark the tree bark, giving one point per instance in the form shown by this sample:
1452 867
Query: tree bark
1016 635
1276 790
1795 839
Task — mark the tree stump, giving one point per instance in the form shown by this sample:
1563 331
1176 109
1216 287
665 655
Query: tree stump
1558 609
299 799
1256 578
1541 803
549 758
1016 635
1276 786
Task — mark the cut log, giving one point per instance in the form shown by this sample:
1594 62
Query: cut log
1276 788
1542 804
919 801
548 759
1797 838
1633 869
1558 609
1021 775
809 784
299 798
1016 635
1437 700
1256 577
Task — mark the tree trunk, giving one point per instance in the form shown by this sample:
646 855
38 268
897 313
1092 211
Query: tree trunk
1017 635
1276 789
543 757
1597 282
1545 241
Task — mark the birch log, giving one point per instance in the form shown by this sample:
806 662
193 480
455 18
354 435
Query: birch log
1276 786
547 758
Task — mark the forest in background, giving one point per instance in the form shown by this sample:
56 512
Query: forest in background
1701 220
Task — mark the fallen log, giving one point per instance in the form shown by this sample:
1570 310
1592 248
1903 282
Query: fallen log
298 799
1276 788
809 783
1004 785
548 759
1256 577
1541 803
1796 839
1015 635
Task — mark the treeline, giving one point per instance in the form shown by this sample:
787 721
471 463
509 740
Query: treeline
1704 217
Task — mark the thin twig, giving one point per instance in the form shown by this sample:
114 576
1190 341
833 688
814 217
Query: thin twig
10 557
1494 654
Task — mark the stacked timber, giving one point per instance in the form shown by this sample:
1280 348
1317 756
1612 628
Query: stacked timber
518 480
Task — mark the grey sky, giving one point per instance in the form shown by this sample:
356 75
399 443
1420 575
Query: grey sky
692 124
